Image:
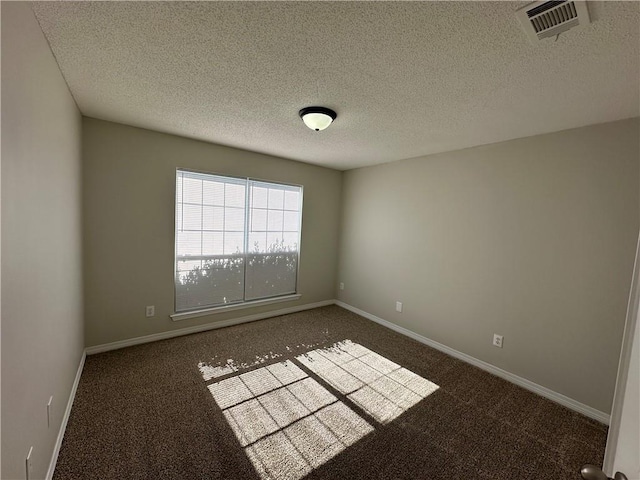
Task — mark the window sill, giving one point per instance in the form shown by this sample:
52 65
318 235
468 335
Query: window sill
229 308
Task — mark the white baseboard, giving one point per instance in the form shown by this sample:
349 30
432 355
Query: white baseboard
65 418
202 328
522 382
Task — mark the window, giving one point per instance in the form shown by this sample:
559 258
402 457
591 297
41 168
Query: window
237 240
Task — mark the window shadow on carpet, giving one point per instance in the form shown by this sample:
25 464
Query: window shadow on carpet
289 423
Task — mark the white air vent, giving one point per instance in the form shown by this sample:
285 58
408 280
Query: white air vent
548 19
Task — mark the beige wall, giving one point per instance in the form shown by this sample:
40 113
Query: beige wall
533 239
129 185
42 325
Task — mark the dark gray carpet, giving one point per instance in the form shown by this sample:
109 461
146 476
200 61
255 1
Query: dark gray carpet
146 412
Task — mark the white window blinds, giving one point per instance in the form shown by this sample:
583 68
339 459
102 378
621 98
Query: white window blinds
236 240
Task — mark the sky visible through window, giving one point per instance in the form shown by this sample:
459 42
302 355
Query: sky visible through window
289 424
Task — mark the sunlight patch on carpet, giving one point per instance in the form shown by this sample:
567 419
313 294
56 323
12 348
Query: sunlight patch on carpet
219 368
289 424
379 386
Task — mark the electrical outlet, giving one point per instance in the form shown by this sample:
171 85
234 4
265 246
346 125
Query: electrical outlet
28 464
151 310
399 307
341 286
497 340
49 411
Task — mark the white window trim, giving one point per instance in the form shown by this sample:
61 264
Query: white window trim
184 315
234 306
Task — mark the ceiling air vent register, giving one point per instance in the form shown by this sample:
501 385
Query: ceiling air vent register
548 19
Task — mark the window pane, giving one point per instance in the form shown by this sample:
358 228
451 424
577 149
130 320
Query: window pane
258 220
188 243
291 221
212 243
259 197
192 190
257 242
213 193
207 217
272 270
234 195
218 282
274 220
292 200
192 217
276 198
234 220
274 241
218 218
233 243
271 275
290 241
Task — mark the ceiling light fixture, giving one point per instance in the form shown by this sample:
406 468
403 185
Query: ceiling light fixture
317 118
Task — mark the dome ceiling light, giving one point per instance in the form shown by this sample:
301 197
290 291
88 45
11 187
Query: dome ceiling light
317 118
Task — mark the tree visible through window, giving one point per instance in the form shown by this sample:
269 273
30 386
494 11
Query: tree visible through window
237 239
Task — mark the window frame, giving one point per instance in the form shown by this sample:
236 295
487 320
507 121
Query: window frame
230 306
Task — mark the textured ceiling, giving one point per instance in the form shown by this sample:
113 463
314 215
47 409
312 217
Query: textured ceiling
406 78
